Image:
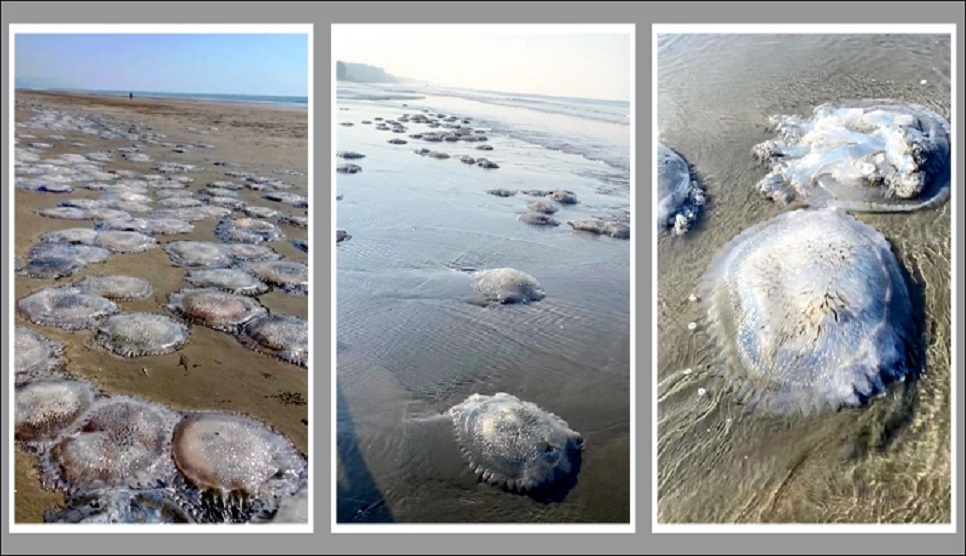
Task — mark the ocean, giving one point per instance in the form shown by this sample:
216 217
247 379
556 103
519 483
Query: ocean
411 343
292 101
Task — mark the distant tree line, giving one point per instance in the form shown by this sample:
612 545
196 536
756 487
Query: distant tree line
364 73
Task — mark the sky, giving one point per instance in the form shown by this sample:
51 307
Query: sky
254 64
558 64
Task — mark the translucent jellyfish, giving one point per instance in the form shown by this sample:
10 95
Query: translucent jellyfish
235 454
215 308
870 156
118 442
83 236
538 219
70 308
289 276
65 213
260 212
285 337
44 408
140 334
601 227
507 285
251 252
117 287
810 311
86 254
231 280
198 254
543 207
122 505
247 230
125 242
35 356
515 444
679 197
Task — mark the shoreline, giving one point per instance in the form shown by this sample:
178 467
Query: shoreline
110 99
391 374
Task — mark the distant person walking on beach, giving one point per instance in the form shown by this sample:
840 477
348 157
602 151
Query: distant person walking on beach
130 96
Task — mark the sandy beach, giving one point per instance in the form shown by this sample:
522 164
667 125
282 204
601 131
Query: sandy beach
212 371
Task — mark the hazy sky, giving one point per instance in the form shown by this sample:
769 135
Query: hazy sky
252 64
580 65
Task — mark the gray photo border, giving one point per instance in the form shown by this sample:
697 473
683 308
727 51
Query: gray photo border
322 15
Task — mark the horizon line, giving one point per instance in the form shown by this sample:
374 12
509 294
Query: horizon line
145 92
416 82
403 80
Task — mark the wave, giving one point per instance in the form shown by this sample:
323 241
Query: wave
581 109
598 134
598 150
611 111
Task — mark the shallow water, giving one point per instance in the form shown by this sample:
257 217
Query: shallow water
412 342
888 463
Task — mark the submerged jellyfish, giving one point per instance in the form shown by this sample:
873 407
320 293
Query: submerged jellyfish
872 156
601 227
543 207
538 219
507 285
678 196
810 311
515 444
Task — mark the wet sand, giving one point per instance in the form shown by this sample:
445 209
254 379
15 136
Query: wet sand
220 373
413 341
889 463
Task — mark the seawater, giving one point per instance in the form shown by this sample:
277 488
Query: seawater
293 101
889 463
410 341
